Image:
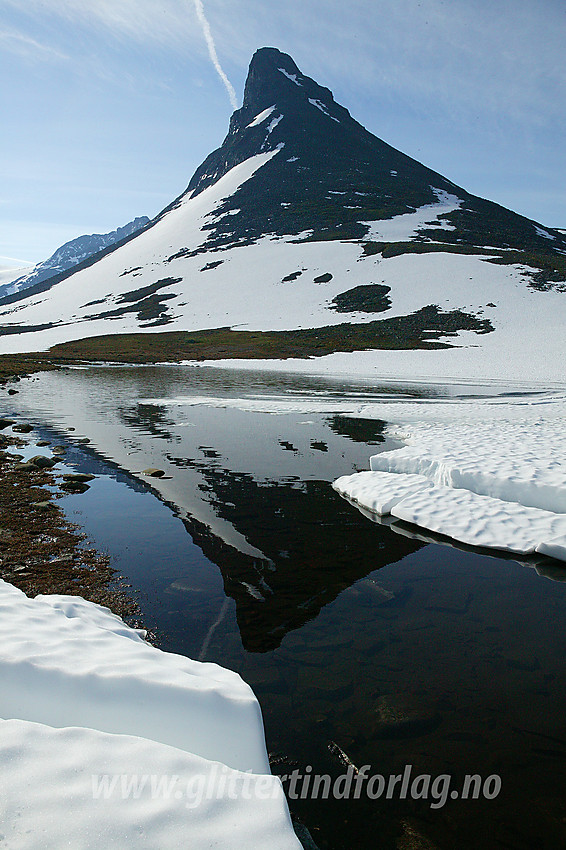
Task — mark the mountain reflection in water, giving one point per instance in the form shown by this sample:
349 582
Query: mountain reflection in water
362 638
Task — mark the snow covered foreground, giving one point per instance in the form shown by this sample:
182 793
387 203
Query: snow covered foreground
498 483
107 741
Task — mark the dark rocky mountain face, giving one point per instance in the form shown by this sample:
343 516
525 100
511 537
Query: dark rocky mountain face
319 177
331 174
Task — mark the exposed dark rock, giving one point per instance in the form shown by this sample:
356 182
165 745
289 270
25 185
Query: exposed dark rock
153 473
368 298
42 462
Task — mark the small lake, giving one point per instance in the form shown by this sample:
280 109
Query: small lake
366 643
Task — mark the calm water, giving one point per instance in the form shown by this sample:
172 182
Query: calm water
363 642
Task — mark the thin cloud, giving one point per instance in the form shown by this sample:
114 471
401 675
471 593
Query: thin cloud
28 47
143 21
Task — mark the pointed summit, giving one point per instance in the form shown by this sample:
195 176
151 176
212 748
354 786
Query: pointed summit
322 153
305 222
332 177
274 75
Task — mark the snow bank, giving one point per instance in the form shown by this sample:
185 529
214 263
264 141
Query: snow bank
407 225
497 483
536 483
380 491
89 790
107 741
481 520
66 662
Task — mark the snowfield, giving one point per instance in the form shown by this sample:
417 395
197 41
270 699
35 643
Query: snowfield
88 790
491 481
401 228
84 696
245 287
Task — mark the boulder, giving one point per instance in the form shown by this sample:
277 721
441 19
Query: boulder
42 462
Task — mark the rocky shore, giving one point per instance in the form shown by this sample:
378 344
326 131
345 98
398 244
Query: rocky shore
41 552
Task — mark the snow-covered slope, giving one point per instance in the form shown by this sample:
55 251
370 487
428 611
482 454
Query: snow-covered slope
88 790
301 219
9 274
107 741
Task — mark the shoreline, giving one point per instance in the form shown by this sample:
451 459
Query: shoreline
42 551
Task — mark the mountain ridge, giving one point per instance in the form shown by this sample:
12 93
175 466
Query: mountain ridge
299 210
72 254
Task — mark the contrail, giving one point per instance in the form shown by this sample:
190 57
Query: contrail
212 53
213 628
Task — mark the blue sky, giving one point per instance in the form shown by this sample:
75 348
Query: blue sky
108 106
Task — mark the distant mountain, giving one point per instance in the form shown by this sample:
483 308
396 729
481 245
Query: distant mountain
71 254
305 223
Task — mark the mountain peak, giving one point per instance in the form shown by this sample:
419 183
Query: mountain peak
302 215
272 72
275 82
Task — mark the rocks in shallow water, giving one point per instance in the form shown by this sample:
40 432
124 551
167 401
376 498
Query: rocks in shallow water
76 482
5 423
42 444
13 392
59 450
154 473
304 836
413 838
27 467
399 717
43 506
82 441
22 428
74 487
42 462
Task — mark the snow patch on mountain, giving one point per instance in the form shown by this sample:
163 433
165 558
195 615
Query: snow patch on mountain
273 124
403 228
320 105
261 117
293 77
544 233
